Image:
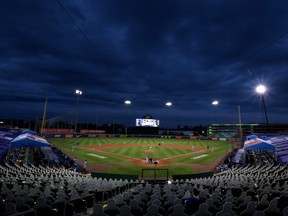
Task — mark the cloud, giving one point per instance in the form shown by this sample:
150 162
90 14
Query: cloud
187 52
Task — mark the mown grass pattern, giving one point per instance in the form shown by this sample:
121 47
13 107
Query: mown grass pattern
123 165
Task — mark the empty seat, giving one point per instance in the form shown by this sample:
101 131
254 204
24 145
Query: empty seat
250 210
273 208
10 209
111 208
153 211
263 203
227 208
203 210
179 210
125 211
135 209
20 205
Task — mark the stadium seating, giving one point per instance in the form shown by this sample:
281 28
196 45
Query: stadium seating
54 187
51 188
241 190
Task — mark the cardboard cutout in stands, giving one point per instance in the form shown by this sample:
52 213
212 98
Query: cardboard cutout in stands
29 132
254 143
29 140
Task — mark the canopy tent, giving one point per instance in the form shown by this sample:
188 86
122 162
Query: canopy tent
29 140
239 157
27 131
250 137
254 143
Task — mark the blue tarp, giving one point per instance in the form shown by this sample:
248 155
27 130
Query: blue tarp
283 159
251 137
29 140
282 153
27 131
6 136
282 148
254 143
238 157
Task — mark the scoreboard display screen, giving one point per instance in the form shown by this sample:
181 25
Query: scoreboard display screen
147 122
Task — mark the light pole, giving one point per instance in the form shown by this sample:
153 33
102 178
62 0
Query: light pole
78 93
168 104
215 103
261 89
127 103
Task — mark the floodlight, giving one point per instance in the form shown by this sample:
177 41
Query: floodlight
78 92
168 104
128 102
261 89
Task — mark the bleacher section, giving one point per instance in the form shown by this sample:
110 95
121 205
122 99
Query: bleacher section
59 188
238 191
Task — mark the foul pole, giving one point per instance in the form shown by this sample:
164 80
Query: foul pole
44 116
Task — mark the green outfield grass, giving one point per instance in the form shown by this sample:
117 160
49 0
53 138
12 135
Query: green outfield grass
119 158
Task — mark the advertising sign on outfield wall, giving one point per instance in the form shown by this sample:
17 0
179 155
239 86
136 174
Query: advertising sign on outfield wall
92 131
57 130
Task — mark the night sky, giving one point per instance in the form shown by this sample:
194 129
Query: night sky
188 52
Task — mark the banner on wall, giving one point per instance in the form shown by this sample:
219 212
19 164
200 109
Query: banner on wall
57 130
69 136
92 131
193 137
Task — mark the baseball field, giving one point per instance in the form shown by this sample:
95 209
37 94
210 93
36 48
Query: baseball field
129 155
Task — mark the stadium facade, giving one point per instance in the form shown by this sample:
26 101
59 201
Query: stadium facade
237 130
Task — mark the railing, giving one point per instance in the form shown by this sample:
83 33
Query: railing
155 177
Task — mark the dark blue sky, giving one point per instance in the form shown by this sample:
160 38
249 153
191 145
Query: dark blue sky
187 52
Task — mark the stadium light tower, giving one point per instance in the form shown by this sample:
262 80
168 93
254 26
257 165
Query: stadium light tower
168 104
215 103
78 93
261 90
127 103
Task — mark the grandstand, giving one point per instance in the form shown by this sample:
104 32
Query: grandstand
46 181
233 130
